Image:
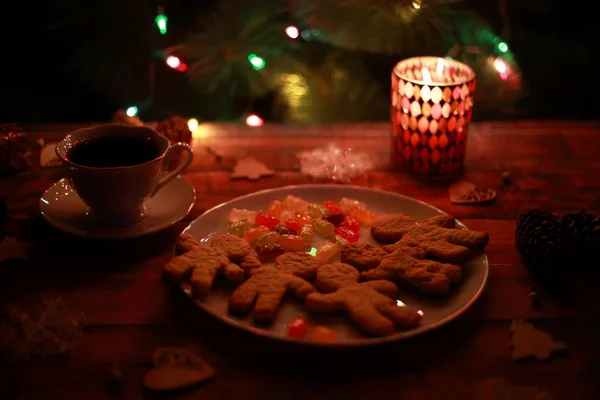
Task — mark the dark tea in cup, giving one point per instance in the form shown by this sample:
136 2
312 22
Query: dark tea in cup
113 151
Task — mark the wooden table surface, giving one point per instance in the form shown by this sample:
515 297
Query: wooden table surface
554 165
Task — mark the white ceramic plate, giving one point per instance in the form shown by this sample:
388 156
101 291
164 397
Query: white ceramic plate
436 312
63 209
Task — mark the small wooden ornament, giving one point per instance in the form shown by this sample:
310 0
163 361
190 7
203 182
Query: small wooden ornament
176 368
468 194
250 168
48 157
529 342
11 247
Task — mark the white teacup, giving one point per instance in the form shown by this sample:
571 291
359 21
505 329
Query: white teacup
116 194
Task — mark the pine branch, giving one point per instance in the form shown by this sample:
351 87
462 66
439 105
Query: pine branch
218 53
383 26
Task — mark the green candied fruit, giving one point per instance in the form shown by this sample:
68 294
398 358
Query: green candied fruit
323 228
238 228
306 233
339 240
317 211
267 239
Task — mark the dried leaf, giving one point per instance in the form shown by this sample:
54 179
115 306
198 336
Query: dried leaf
11 247
528 342
249 168
176 368
463 192
48 157
460 189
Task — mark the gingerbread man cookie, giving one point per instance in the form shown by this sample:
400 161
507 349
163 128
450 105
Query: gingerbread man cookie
186 242
362 256
390 228
426 276
249 263
443 244
370 304
236 248
298 263
393 227
264 291
203 263
331 277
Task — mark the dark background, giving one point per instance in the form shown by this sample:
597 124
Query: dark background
554 42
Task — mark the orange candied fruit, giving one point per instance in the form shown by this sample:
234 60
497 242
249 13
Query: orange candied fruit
322 333
251 234
292 242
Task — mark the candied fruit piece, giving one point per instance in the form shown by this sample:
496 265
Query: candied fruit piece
238 214
351 223
266 219
317 211
275 208
347 234
292 242
267 238
333 207
251 234
364 217
306 234
322 333
323 228
282 230
238 228
328 251
303 218
293 225
339 240
297 328
287 214
269 252
348 204
295 203
336 219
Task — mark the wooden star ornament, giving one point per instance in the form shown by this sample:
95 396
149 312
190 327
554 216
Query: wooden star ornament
250 168
11 247
529 342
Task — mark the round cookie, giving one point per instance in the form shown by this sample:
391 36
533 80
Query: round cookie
234 247
392 227
362 256
298 263
331 277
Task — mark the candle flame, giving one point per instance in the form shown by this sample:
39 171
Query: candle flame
426 76
440 67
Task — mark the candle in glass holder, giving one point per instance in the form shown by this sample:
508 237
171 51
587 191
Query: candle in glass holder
432 103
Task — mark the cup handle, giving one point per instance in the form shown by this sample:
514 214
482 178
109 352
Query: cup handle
188 160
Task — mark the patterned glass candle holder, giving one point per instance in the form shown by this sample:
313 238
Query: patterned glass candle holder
432 103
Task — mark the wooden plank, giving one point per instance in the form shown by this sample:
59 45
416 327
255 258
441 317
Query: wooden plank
455 363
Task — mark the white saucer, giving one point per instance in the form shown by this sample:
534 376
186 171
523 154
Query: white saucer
61 207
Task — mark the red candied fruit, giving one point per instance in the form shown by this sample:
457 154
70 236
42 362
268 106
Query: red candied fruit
351 223
293 225
266 219
347 234
333 207
297 328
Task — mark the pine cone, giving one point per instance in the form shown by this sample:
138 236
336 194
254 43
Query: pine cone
175 129
541 243
533 216
582 229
